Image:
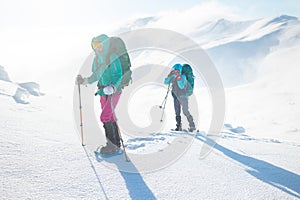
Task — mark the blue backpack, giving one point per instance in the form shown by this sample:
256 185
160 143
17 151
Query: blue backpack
188 72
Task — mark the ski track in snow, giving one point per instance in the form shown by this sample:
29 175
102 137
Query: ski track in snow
144 142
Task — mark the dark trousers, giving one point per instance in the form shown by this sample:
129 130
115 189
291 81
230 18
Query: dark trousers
181 102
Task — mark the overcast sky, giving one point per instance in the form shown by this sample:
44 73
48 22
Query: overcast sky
88 12
41 40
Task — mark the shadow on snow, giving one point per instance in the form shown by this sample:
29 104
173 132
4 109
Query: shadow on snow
135 183
278 177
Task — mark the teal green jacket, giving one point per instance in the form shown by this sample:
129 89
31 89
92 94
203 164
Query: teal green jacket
101 72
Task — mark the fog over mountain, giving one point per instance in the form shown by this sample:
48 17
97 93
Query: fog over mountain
237 48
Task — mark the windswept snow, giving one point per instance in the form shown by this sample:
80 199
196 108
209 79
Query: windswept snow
42 158
32 87
3 74
237 48
8 88
255 155
21 96
19 92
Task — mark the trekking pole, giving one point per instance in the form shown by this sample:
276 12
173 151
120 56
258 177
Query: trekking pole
119 132
165 99
163 105
81 124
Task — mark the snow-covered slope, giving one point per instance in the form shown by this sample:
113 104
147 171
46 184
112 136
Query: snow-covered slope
238 55
237 48
3 74
8 88
19 92
272 102
255 157
32 87
137 23
42 158
224 31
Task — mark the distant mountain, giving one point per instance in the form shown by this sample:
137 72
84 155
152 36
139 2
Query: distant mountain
137 23
224 31
237 48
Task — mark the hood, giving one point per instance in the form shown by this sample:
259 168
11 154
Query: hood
177 67
105 42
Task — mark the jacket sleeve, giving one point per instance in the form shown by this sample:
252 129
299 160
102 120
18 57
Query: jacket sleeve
167 80
95 75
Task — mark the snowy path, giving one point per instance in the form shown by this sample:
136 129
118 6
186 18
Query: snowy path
41 158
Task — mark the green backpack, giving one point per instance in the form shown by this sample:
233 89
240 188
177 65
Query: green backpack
188 71
118 47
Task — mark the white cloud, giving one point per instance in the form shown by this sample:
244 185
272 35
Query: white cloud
186 21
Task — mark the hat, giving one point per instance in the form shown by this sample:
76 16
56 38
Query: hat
177 67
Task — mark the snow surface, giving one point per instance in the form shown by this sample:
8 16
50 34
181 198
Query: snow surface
3 74
256 155
42 158
32 87
19 92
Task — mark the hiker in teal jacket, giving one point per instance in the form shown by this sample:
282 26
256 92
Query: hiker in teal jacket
108 73
104 74
180 94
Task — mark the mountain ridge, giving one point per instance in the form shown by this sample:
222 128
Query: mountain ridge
236 47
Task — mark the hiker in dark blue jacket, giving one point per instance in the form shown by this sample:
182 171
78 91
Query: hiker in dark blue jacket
181 90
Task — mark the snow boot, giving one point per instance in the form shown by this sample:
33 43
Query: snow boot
110 147
178 124
191 123
116 133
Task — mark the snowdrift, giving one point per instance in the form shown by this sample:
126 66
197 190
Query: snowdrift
19 92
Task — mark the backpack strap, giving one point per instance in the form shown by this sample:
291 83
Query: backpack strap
109 52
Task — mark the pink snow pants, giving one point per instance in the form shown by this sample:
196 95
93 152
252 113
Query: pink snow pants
107 114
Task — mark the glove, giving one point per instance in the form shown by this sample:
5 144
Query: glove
173 72
109 90
177 76
80 80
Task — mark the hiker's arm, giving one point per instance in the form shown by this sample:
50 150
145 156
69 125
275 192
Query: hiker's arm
95 75
169 78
